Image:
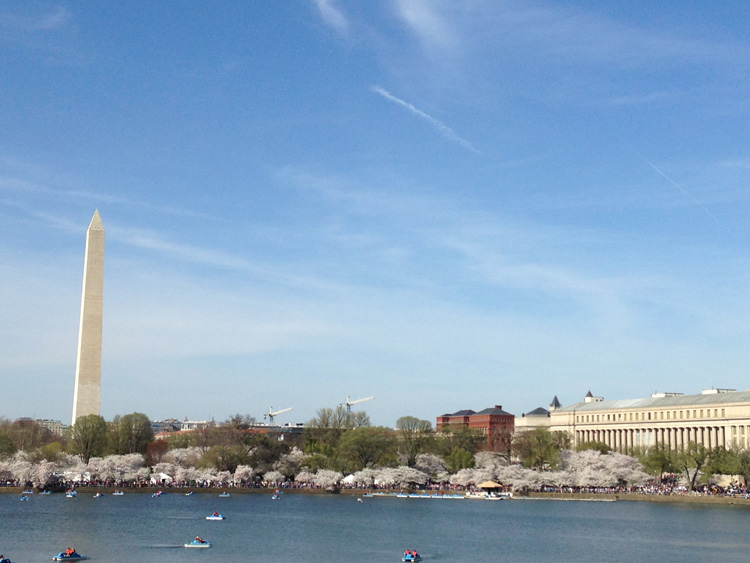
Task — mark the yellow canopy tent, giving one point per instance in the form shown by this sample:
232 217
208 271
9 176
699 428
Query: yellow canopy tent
489 485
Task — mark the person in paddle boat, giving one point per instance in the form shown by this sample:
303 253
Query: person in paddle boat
200 539
215 513
70 552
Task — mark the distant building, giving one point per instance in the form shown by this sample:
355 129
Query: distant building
493 422
533 419
715 418
195 424
166 426
536 418
56 427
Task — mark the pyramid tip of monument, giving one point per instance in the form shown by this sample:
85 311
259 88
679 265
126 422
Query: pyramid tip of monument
96 221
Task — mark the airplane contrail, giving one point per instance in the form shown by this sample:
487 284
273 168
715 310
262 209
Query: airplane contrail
668 179
438 125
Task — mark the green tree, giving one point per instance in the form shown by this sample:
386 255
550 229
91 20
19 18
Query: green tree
87 437
322 432
600 447
7 447
52 451
364 447
265 451
657 460
743 465
27 434
539 448
414 435
691 460
459 459
224 458
135 433
450 437
179 440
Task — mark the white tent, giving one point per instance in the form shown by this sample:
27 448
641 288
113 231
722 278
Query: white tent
160 478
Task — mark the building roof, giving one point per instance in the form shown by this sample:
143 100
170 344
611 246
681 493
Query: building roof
555 403
538 412
497 409
659 402
465 412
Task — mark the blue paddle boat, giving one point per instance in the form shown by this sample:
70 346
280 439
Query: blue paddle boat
215 516
69 555
198 543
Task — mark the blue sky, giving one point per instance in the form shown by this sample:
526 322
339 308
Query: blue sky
445 205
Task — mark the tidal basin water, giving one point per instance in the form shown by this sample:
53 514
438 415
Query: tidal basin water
332 528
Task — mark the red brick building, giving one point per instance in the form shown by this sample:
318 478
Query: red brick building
496 425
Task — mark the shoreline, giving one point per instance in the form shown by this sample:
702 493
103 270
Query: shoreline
571 497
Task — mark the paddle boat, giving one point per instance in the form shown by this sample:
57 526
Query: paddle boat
24 497
275 496
41 493
118 493
157 494
189 494
69 555
4 559
411 556
215 516
28 492
225 495
70 493
199 543
98 495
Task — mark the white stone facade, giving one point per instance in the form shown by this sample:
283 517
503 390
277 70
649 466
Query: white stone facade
716 417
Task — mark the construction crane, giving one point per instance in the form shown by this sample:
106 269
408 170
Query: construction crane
349 403
271 413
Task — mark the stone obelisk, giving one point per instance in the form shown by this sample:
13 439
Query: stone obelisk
89 359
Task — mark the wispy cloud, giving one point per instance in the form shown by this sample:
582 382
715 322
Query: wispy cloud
50 21
332 15
437 125
428 24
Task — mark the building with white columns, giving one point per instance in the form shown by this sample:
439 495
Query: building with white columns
716 417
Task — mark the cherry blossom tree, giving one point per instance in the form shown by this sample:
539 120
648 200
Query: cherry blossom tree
243 474
326 478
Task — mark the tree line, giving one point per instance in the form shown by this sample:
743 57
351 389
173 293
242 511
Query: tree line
340 442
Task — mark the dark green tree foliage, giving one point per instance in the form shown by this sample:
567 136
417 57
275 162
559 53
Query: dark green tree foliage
657 460
414 436
600 447
459 459
722 461
364 447
87 437
131 433
265 451
539 448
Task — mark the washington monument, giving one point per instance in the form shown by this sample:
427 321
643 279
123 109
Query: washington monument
89 359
